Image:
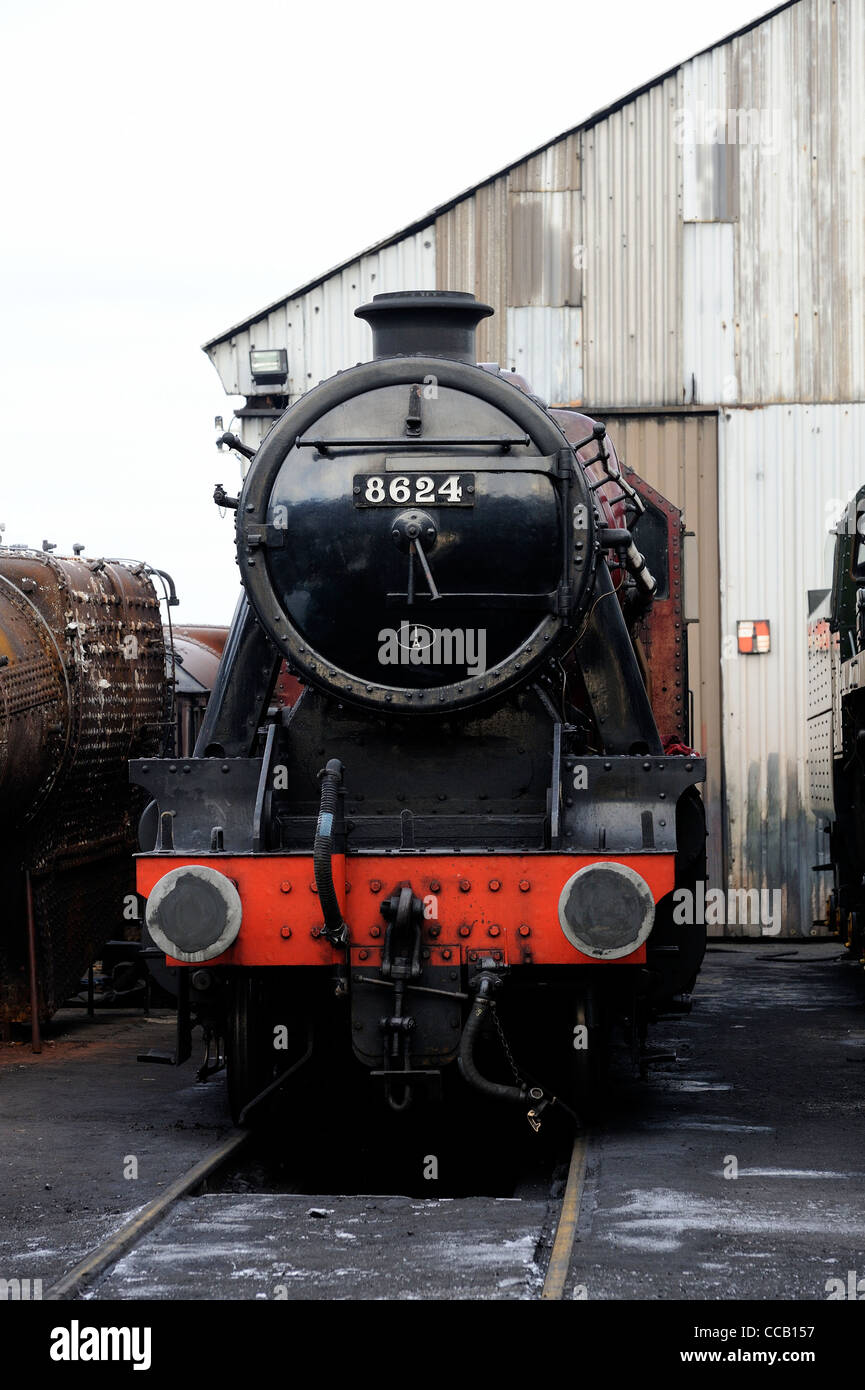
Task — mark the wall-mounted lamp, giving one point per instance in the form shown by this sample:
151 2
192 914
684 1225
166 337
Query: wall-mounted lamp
269 366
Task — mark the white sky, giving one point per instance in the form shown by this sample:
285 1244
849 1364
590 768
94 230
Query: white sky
169 168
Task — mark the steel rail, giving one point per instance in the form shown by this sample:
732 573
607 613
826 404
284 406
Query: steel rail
73 1283
560 1256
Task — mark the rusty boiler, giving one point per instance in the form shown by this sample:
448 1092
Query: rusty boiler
82 690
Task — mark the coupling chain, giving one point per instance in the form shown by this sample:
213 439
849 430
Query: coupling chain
504 1042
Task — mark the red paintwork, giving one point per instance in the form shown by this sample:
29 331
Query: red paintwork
662 633
268 907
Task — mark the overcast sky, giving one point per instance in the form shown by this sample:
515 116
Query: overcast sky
171 167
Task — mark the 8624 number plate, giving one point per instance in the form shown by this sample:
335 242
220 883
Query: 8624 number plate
414 489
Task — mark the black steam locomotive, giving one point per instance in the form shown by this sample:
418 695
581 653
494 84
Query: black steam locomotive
454 854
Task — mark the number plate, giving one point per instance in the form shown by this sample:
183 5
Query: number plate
414 489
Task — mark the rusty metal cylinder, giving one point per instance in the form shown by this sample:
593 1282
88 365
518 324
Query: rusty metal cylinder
81 672
82 690
35 700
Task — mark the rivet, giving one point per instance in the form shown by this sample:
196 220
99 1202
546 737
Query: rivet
312 887
435 886
285 886
375 885
524 930
465 930
524 885
285 933
446 953
493 931
375 931
465 886
363 955
495 884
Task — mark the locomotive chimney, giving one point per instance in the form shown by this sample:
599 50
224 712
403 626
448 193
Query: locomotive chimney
429 323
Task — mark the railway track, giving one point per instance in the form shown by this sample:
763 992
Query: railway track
194 1242
730 1175
78 1280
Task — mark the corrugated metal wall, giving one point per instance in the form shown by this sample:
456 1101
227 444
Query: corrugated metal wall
516 243
787 286
678 455
553 339
708 336
711 231
319 328
785 473
632 232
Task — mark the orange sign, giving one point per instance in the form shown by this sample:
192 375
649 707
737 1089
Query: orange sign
753 635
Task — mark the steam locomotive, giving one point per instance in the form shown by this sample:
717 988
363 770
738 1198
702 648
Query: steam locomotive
451 861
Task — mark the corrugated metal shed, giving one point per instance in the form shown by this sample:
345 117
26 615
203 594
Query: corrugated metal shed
708 334
318 327
710 165
785 473
544 264
516 243
800 243
556 168
671 220
553 337
632 227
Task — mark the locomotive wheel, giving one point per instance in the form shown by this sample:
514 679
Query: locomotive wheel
250 1057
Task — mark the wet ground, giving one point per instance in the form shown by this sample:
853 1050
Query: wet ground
72 1117
266 1246
739 1172
736 1171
